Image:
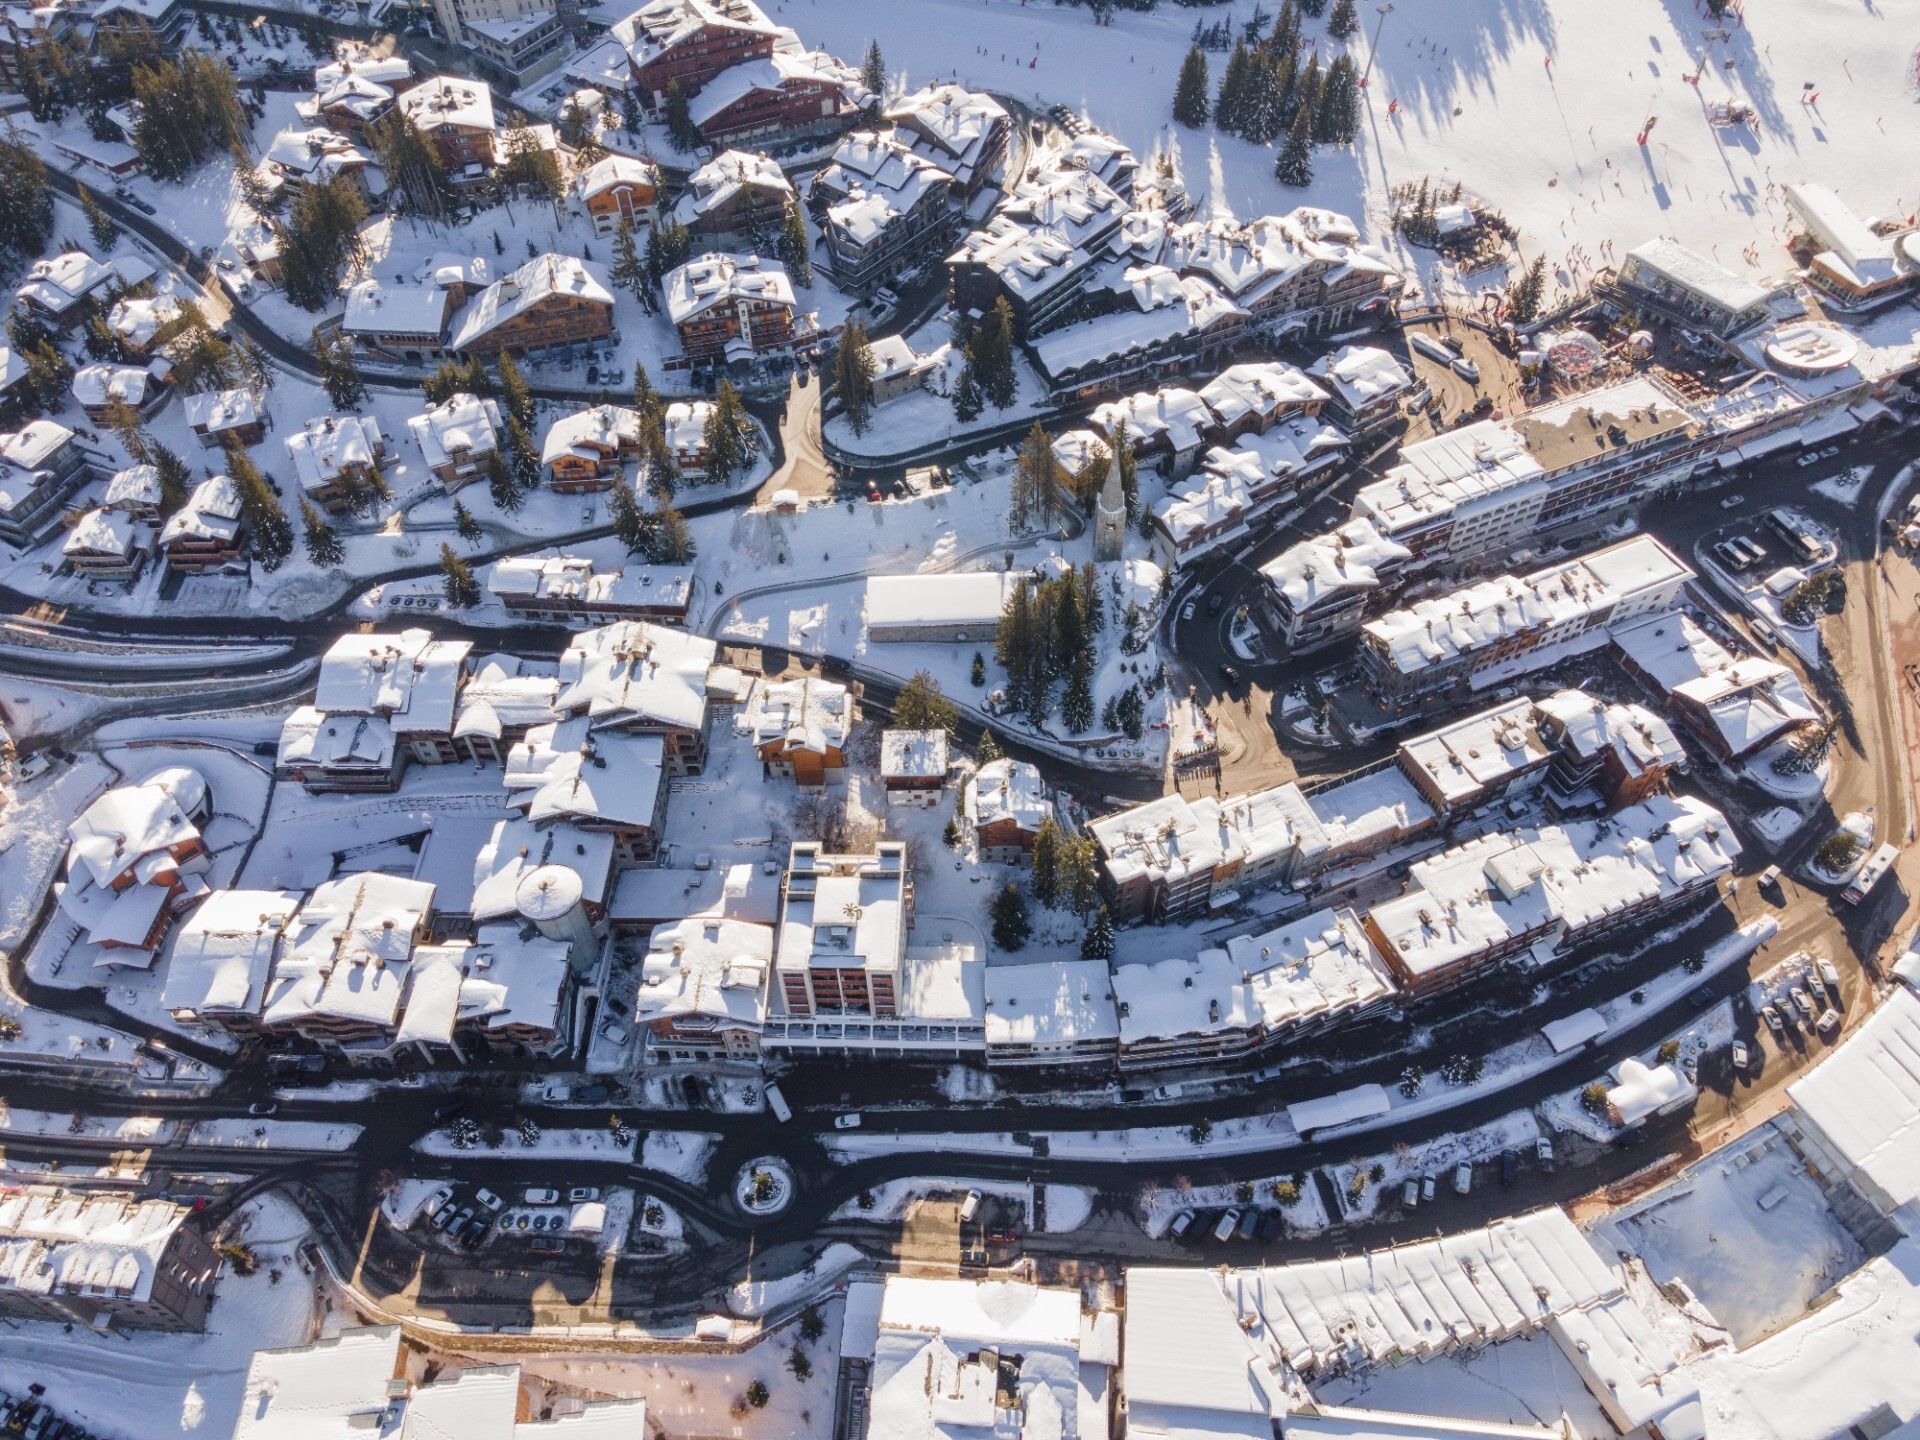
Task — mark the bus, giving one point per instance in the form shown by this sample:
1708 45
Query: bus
777 1103
1871 874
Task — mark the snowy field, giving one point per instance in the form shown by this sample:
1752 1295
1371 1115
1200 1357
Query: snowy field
1746 1229
1532 105
141 1385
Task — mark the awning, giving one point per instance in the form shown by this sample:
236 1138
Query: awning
1828 427
1868 411
1767 444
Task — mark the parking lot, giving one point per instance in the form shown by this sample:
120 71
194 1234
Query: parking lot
545 1219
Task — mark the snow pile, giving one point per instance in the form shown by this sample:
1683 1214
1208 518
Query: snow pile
752 1299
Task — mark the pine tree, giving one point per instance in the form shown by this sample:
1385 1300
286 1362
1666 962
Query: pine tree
522 457
338 374
1080 872
1314 7
873 70
456 579
630 526
680 127
514 393
465 526
1076 704
991 351
977 675
1230 105
99 223
323 546
853 368
1306 93
1045 862
176 481
26 201
921 705
967 400
791 246
500 485
656 457
1337 120
1011 923
1344 22
416 177
988 750
1526 293
124 421
1097 943
729 436
673 542
646 400
1030 499
628 271
1295 165
272 536
1191 105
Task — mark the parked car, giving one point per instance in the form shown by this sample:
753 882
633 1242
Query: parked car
1249 1223
970 1206
487 1198
1543 1152
547 1244
1732 502
581 1194
1770 878
448 1110
1829 1023
1509 1166
1270 1223
443 1217
1427 1187
1742 1057
1829 974
1772 1017
542 1196
1802 1001
1462 1178
1410 1194
261 1108
846 1122
1224 1230
1181 1224
1230 674
1187 612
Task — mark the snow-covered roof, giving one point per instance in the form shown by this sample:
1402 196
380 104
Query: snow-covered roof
1261 387
633 672
24 451
521 846
1050 1003
573 577
615 169
1031 261
139 318
309 736
504 691
771 73
137 485
409 678
705 968
592 434
568 770
212 512
75 1243
1004 789
1589 728
331 444
448 100
968 598
806 713
726 175
913 754
1249 260
540 279
61 280
1640 1090
503 977
662 25
459 427
1441 476
1178 416
1192 1370
1562 596
99 532
314 154
843 911
1233 483
1462 759
717 279
951 125
1625 1359
224 951
1498 889
391 308
878 178
1864 1097
1693 272
218 410
685 425
1168 307
348 952
131 823
1361 375
1851 248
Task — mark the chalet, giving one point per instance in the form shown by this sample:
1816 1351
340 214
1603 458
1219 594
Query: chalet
730 307
138 321
405 321
913 766
685 43
618 188
345 963
735 193
1366 386
135 492
316 156
551 301
568 588
381 701
103 389
355 90
456 117
104 545
135 858
206 533
607 782
586 450
786 94
685 422
165 21
897 370
457 437
1005 804
222 956
503 699
223 417
58 289
337 460
647 679
964 132
41 466
799 729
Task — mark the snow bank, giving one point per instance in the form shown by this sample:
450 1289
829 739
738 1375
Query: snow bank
752 1299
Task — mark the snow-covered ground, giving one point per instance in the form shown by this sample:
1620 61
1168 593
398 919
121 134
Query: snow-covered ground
678 1153
753 1299
1157 1205
1524 1380
138 1385
548 1144
240 1132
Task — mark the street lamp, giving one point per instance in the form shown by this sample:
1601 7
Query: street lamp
1374 49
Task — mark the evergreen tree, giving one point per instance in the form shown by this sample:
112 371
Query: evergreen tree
1344 22
323 546
1295 165
630 525
1526 293
1016 642
339 376
190 111
26 201
853 369
416 178
680 127
967 400
646 400
99 224
272 536
321 234
49 375
1076 704
500 485
1011 923
124 421
873 70
1337 120
922 705
1229 107
521 456
977 675
465 526
1191 105
672 542
668 246
1306 93
1045 862
531 166
260 377
988 750
1097 943
1314 7
1080 873
1031 498
176 481
729 435
514 394
656 456
629 271
991 353
456 579
791 246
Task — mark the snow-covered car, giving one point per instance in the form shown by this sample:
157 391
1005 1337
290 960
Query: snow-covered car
1543 1152
1229 1222
1802 1001
487 1198
1742 1057
1181 1224
846 1122
581 1194
1829 975
1829 1022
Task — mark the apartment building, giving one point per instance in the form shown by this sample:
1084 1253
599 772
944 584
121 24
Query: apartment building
881 208
730 307
103 1260
551 302
686 43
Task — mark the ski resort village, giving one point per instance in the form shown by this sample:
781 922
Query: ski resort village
960 720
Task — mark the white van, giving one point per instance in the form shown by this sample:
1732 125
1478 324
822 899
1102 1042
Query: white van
777 1103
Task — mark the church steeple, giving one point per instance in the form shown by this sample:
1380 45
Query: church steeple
1110 510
